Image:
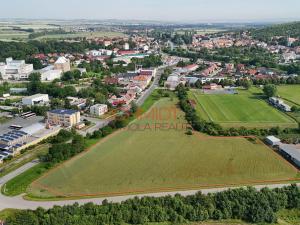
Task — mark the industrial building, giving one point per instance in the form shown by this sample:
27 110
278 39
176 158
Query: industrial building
273 141
49 73
279 103
15 69
291 152
63 117
38 99
13 140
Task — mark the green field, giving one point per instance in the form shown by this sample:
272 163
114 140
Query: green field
290 92
143 158
244 109
82 35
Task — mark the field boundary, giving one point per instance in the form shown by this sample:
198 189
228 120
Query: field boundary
58 194
208 115
168 189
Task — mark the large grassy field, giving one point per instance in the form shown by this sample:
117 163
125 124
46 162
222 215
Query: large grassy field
82 35
244 109
146 158
290 92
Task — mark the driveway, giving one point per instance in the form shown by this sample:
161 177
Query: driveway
98 124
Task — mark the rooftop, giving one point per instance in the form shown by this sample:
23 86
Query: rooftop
292 150
63 111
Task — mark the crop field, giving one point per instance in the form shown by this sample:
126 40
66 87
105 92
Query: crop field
201 31
243 109
154 154
290 92
82 35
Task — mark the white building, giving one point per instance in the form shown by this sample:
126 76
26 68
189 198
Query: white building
49 73
172 82
272 140
98 110
126 46
289 57
15 69
38 99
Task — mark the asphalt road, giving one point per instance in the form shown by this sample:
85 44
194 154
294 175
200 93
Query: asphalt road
153 86
18 171
99 123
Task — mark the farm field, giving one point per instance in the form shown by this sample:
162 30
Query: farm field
243 109
290 92
144 158
82 35
201 31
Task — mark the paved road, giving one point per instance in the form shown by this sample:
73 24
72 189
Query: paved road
153 86
99 123
18 171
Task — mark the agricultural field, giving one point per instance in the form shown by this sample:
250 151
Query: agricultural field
82 35
247 108
154 154
290 93
201 31
10 31
14 31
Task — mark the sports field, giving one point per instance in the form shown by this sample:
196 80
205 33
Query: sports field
290 92
243 109
154 154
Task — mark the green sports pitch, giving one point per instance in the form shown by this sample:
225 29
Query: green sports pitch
140 160
290 93
247 108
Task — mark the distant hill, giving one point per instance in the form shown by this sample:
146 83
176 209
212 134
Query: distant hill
288 29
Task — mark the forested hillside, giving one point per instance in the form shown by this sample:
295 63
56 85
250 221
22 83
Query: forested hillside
267 34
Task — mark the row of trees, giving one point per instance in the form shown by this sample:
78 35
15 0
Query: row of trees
214 129
246 204
23 50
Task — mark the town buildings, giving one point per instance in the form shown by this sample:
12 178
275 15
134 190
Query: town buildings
63 64
63 117
49 73
172 82
15 69
98 109
37 99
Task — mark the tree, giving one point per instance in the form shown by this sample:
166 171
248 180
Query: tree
246 84
35 85
37 65
270 90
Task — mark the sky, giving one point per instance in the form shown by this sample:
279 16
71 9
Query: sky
159 10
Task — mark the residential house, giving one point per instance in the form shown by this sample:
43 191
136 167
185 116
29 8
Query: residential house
98 109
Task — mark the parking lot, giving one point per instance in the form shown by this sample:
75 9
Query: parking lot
4 128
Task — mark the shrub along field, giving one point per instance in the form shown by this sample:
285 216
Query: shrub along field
290 92
246 109
154 154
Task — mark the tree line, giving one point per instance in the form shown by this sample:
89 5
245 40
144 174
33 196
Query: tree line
246 204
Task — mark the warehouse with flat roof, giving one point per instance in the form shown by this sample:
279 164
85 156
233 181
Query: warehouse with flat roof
291 152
